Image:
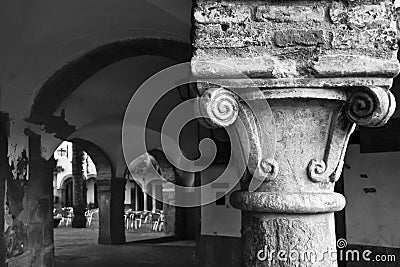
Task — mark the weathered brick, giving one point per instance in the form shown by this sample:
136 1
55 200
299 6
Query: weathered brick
361 16
255 34
382 39
280 40
212 12
293 13
299 37
215 35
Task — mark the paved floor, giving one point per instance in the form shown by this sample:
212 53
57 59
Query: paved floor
135 255
65 236
78 247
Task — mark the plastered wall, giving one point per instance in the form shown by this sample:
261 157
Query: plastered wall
372 190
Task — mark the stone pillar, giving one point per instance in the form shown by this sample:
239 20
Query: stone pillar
5 171
79 188
39 196
153 198
111 195
295 78
136 197
29 202
168 195
144 199
62 197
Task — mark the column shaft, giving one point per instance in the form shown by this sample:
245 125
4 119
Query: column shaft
79 188
153 198
111 211
144 199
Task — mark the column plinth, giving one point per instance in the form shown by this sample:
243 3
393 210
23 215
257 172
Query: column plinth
293 80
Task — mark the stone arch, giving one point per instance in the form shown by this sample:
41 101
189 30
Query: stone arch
66 196
67 79
110 195
91 176
165 167
64 82
104 168
65 179
180 216
167 171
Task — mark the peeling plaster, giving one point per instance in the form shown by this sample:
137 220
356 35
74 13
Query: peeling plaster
17 149
15 230
54 124
52 129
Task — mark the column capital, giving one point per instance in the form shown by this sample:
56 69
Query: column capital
293 79
365 106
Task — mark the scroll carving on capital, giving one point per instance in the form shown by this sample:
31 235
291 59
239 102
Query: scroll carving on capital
329 168
253 124
365 106
219 106
370 106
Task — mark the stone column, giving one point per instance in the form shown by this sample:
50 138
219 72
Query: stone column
137 197
111 196
153 198
79 188
29 201
294 79
4 169
168 194
144 199
39 194
63 197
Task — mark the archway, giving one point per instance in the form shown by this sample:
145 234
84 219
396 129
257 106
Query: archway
67 79
66 196
63 182
179 222
101 192
110 183
109 195
152 195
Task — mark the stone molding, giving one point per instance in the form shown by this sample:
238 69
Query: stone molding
292 203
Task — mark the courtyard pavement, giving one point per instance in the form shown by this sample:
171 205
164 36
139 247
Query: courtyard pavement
78 247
